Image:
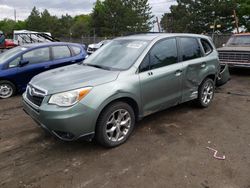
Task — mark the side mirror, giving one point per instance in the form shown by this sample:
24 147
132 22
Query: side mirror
23 62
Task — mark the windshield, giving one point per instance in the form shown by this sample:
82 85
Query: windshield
239 41
10 53
117 55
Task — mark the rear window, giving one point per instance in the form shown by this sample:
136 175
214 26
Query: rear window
190 48
77 50
206 46
60 52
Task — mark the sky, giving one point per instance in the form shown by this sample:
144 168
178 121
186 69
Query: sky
59 7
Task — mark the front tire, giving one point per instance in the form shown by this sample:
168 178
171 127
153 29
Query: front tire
206 93
7 89
115 124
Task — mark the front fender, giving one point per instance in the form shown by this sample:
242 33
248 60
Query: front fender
116 97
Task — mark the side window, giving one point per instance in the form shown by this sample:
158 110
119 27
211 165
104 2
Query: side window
15 62
76 50
163 54
60 52
206 46
145 64
190 49
37 56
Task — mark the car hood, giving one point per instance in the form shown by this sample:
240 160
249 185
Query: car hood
72 77
234 48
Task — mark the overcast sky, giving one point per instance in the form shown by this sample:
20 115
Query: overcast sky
59 7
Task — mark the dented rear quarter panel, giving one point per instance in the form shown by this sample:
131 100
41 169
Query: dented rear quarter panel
195 72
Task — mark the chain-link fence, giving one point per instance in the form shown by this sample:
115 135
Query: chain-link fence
83 40
219 39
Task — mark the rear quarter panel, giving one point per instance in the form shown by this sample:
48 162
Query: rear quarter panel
194 74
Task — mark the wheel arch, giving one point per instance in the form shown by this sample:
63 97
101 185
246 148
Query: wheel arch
211 76
4 79
121 98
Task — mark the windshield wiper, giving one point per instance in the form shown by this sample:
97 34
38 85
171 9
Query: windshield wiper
98 66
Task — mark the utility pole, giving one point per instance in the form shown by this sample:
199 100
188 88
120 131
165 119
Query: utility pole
159 28
236 21
15 15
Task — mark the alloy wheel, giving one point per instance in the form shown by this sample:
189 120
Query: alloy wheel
207 93
6 91
118 125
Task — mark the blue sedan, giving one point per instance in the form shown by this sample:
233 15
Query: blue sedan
19 65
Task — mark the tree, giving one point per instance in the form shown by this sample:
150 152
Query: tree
140 15
34 20
197 16
8 26
117 17
109 17
244 13
65 22
81 26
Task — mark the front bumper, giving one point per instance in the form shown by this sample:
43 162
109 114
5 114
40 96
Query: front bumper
67 124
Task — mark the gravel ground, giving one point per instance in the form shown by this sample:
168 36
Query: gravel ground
167 149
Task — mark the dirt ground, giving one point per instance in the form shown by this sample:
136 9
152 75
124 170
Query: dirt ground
167 149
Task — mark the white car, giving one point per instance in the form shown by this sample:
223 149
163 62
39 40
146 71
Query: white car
93 47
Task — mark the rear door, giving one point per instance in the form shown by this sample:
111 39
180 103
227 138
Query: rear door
39 60
160 77
62 56
194 64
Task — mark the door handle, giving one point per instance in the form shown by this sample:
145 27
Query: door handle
150 73
178 72
203 65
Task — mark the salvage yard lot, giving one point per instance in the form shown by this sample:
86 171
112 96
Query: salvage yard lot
167 149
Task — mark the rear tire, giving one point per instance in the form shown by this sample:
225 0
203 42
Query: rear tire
7 89
115 124
206 93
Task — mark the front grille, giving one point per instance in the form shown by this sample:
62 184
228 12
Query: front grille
35 95
239 57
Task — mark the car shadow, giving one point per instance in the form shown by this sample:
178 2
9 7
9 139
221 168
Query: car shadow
243 72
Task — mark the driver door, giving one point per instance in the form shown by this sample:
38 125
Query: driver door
39 60
161 77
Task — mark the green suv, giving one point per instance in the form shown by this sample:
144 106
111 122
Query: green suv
126 80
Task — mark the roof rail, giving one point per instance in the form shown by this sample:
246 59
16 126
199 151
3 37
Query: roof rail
135 33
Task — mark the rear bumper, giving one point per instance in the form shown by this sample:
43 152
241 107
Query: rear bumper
67 124
224 75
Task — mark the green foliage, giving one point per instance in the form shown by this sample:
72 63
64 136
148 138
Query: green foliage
81 26
197 16
117 17
244 13
8 26
34 20
109 18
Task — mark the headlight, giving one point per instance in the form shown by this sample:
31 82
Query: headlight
69 98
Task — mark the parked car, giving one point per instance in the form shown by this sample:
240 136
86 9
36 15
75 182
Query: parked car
126 80
20 64
93 47
5 43
236 52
